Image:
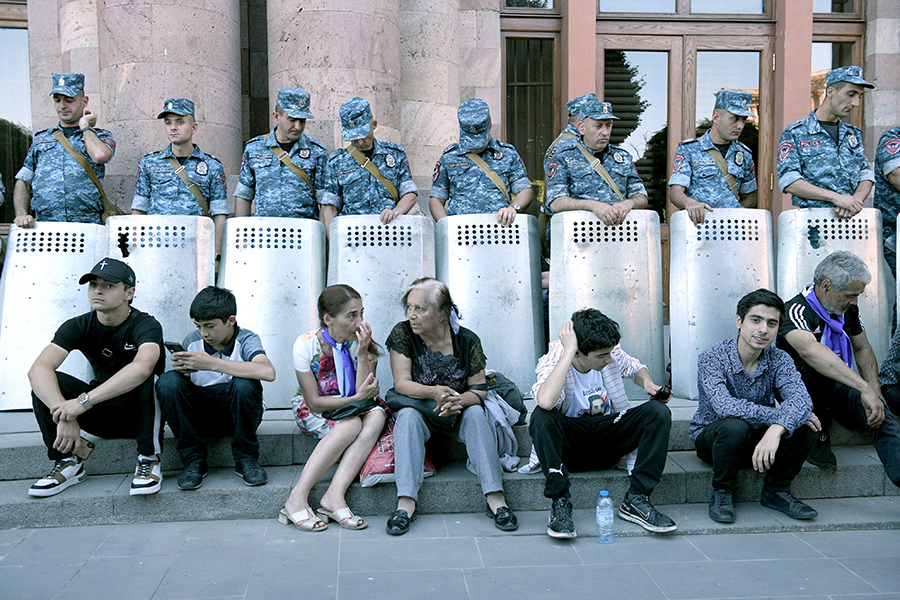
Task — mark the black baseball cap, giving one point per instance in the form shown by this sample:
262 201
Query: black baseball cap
110 269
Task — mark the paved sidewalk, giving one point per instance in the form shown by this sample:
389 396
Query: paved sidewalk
461 556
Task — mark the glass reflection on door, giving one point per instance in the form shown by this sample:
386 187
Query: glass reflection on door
636 83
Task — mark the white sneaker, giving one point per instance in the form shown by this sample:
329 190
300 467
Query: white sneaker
66 472
147 477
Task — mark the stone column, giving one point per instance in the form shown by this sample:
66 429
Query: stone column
882 67
337 50
480 55
78 44
430 90
43 59
150 51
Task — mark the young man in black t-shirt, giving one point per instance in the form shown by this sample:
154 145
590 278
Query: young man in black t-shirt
823 333
124 347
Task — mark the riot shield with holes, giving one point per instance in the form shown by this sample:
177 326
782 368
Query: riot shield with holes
39 290
494 276
173 258
807 235
380 261
276 269
712 266
617 270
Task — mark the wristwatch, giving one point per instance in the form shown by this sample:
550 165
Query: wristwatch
84 400
88 128
517 207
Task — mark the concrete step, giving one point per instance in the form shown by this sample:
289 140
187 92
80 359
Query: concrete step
104 499
23 456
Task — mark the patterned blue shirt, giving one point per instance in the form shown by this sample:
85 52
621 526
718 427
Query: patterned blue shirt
61 189
275 188
466 187
726 391
696 170
887 197
570 174
160 191
355 191
807 152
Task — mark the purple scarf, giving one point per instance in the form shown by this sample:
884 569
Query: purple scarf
834 337
347 379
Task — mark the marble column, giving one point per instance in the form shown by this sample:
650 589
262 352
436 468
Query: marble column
882 67
430 88
336 50
480 56
150 51
43 59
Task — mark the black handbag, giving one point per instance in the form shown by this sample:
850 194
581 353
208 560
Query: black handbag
351 409
395 401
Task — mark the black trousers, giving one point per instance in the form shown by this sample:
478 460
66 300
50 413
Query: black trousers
571 444
196 414
134 415
728 444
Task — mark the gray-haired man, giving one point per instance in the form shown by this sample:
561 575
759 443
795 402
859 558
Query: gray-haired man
823 333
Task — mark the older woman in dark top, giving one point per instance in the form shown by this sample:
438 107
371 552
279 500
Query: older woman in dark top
439 384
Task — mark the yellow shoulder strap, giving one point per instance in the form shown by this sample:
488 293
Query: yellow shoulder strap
492 175
369 166
598 167
286 159
723 167
179 170
109 209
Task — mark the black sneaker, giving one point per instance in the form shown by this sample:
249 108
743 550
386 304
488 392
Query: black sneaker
721 507
192 475
637 509
821 454
787 503
250 471
561 524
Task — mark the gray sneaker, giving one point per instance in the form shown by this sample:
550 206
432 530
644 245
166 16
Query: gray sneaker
250 471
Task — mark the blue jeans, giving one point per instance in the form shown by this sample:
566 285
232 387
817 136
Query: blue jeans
197 414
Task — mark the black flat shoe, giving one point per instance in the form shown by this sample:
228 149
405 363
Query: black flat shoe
398 523
504 518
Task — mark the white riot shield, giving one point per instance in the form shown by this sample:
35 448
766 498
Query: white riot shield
712 266
494 276
807 235
39 290
380 262
617 270
276 269
173 258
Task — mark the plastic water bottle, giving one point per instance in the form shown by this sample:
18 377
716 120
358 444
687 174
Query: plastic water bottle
604 518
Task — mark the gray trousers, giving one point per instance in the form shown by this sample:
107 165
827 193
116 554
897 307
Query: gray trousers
411 431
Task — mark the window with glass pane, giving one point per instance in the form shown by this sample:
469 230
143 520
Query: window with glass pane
744 7
529 100
834 6
730 70
825 57
529 3
638 6
15 111
636 83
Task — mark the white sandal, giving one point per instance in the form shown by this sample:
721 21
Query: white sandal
344 517
304 520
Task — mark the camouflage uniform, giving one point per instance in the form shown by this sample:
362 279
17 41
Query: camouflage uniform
351 187
60 189
569 174
276 190
355 191
696 170
459 181
159 191
887 197
807 151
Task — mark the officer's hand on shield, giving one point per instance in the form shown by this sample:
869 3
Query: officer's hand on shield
622 209
697 210
849 204
605 212
389 214
26 221
506 216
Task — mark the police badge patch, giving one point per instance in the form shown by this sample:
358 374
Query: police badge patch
436 173
619 157
304 152
739 158
892 146
389 160
202 168
497 154
678 162
853 141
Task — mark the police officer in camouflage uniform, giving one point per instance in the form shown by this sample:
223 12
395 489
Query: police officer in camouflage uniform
274 188
573 107
887 192
352 188
160 190
461 187
51 182
821 160
697 183
574 184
